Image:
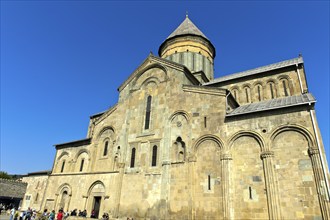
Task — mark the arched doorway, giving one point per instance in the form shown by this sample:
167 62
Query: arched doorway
95 197
64 195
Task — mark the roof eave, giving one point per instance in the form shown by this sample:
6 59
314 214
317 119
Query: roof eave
184 35
270 109
215 81
76 143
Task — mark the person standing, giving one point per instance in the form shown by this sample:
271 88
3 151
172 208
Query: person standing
52 215
12 213
28 214
60 215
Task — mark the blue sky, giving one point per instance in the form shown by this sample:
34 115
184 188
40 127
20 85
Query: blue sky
62 61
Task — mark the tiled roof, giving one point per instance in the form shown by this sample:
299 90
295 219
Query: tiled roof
97 114
74 143
261 69
43 172
274 104
187 27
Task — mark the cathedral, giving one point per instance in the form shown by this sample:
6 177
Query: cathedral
181 144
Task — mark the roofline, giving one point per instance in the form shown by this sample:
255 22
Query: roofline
257 70
38 173
183 35
97 114
272 108
152 57
76 143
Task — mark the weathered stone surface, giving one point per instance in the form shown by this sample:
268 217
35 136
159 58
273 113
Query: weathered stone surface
12 188
167 150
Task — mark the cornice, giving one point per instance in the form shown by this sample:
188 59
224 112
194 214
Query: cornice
106 114
204 90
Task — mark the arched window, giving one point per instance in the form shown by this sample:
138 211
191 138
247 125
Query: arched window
259 92
148 111
285 88
181 149
154 156
133 157
272 90
63 164
247 94
82 165
235 94
105 151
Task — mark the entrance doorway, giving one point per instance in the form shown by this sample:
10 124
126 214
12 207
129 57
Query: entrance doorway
96 206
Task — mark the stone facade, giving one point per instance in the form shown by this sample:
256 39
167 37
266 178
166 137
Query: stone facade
35 191
180 144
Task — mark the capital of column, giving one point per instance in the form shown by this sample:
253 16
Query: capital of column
121 165
166 162
312 151
192 158
266 154
226 157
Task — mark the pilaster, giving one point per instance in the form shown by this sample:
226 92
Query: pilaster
226 202
314 154
191 171
119 182
85 197
271 189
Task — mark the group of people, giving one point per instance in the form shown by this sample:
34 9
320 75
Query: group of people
61 215
18 214
74 212
79 213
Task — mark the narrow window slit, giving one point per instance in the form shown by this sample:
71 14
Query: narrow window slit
62 168
285 89
247 95
105 151
148 110
82 165
250 192
133 158
271 90
154 156
209 182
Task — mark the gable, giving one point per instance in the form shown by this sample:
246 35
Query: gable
160 69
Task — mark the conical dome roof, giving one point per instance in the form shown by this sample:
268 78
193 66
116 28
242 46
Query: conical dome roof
188 46
187 27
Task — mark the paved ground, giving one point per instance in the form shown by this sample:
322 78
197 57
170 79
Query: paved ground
4 217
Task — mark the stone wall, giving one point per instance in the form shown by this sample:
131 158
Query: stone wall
35 191
205 166
12 188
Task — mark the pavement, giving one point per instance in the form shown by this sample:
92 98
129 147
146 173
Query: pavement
4 217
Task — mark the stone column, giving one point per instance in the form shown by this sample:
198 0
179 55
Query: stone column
68 203
118 189
55 205
271 189
320 182
226 202
85 201
165 190
192 180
